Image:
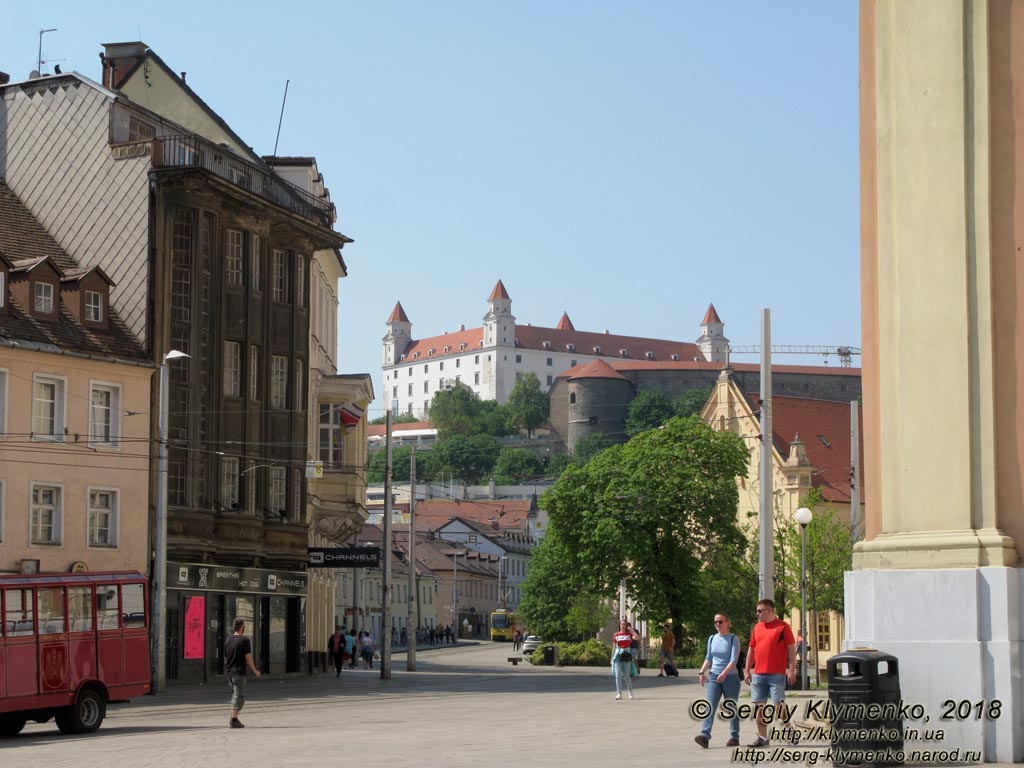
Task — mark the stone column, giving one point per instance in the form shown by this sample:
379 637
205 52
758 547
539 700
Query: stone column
942 150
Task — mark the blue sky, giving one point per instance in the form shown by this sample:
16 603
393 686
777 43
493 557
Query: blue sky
627 162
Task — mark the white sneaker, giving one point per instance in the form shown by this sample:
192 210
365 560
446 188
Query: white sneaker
618 697
631 694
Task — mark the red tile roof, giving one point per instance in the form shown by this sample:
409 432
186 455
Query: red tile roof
499 292
434 513
584 342
398 314
378 430
711 316
704 365
824 429
565 324
596 369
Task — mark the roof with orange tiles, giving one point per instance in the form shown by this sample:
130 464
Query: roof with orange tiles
398 314
711 316
704 365
564 323
378 430
596 369
499 292
824 429
505 513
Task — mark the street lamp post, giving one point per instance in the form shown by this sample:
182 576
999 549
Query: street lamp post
501 568
160 559
455 596
803 517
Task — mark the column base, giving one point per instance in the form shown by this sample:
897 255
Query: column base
957 634
935 549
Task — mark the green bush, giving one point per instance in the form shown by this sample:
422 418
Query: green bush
590 653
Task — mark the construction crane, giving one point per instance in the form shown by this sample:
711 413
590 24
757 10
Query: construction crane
843 353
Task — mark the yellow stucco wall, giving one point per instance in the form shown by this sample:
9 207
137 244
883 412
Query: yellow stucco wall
73 465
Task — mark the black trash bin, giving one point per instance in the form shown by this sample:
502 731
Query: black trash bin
550 655
864 691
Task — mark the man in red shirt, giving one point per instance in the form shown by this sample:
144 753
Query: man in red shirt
770 663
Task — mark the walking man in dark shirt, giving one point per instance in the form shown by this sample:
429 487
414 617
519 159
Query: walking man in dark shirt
238 656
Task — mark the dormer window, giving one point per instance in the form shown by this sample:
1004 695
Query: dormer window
43 298
597 350
649 355
401 358
430 353
447 349
546 345
623 353
94 306
570 347
415 355
675 357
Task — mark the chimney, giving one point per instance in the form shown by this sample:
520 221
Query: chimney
4 78
118 60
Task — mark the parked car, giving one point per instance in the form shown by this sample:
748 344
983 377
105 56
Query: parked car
531 644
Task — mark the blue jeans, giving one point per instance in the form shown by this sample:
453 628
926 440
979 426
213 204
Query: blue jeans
713 694
622 670
768 686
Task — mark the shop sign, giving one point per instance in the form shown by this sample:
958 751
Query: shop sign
222 578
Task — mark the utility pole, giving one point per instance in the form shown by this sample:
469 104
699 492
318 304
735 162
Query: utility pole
412 623
766 539
385 631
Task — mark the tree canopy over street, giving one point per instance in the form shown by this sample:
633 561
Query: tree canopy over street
657 512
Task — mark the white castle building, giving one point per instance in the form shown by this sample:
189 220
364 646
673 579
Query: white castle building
490 357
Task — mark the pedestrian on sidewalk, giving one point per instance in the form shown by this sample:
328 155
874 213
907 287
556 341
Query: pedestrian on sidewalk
622 658
515 639
350 648
770 663
668 646
720 677
238 656
336 647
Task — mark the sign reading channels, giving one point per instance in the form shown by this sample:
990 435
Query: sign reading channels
344 557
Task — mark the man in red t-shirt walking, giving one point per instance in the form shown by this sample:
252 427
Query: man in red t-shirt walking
770 663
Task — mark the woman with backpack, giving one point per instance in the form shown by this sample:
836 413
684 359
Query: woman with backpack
720 675
622 658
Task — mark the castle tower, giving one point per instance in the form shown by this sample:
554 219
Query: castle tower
599 398
398 336
712 341
499 324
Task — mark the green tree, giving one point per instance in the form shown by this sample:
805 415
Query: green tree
554 601
376 466
655 512
829 555
514 465
469 458
492 419
691 402
455 410
589 446
556 464
400 464
402 418
527 406
647 410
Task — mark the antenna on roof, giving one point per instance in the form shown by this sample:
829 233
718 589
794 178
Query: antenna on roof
281 118
39 59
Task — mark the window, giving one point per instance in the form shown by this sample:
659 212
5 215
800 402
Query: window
94 306
426 367
394 392
43 294
255 270
254 373
549 361
597 350
300 280
140 131
297 494
48 407
572 363
331 435
519 358
229 482
102 517
410 390
250 488
278 381
824 632
410 371
550 379
458 363
104 414
476 378
426 387
51 610
133 605
232 364
426 406
280 276
276 489
441 364
80 609
46 514
298 387
476 359
19 614
233 257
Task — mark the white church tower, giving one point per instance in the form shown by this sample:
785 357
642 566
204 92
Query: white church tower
398 336
712 342
499 324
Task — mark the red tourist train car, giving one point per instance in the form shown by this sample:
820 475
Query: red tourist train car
70 643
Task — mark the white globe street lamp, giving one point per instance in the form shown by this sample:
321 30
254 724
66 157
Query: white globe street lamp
803 517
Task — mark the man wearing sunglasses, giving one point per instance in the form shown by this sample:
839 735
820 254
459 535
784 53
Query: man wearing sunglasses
770 663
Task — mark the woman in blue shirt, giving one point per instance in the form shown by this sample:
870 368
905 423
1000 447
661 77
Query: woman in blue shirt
721 678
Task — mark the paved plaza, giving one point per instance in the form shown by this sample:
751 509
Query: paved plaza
465 706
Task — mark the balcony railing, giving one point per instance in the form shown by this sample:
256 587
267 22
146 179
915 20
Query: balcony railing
196 152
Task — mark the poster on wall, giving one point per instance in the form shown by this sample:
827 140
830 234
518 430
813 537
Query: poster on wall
195 637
